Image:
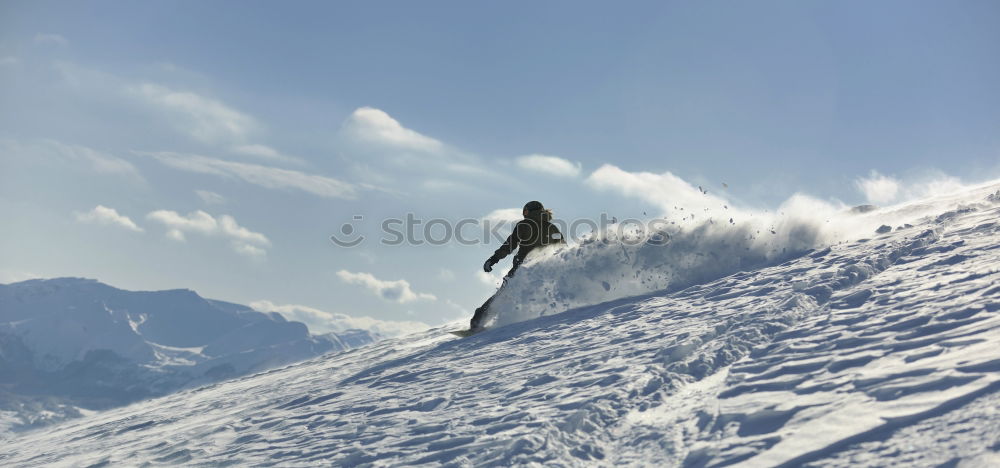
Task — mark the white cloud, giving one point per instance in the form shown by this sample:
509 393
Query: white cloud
394 291
243 240
376 126
264 176
50 39
552 165
229 227
504 215
107 217
262 152
877 188
382 151
198 221
210 197
176 235
321 321
203 118
9 61
663 190
248 250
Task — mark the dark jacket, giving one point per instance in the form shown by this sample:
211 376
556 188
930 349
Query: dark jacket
535 230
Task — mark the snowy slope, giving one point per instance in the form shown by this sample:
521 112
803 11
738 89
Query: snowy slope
870 352
71 344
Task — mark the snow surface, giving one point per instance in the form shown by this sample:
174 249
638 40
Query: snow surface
878 351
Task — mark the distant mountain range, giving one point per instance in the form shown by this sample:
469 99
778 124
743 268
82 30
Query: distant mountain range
72 345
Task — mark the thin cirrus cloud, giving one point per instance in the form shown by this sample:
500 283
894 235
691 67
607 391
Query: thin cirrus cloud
51 39
398 291
264 176
322 321
549 165
98 161
208 120
210 198
203 118
105 216
242 240
71 155
262 152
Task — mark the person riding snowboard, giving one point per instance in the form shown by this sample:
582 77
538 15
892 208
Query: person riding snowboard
534 231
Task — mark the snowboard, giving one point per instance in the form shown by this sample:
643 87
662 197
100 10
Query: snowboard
465 333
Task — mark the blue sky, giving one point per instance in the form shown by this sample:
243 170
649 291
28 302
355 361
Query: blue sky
122 120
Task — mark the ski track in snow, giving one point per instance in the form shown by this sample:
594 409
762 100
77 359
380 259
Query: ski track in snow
877 352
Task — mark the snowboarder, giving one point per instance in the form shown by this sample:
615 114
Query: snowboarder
535 230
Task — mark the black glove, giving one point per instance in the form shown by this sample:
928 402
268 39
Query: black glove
488 266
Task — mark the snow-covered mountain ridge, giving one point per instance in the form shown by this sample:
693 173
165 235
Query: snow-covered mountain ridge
875 352
72 343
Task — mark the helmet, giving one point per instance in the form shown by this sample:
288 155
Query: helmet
533 206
